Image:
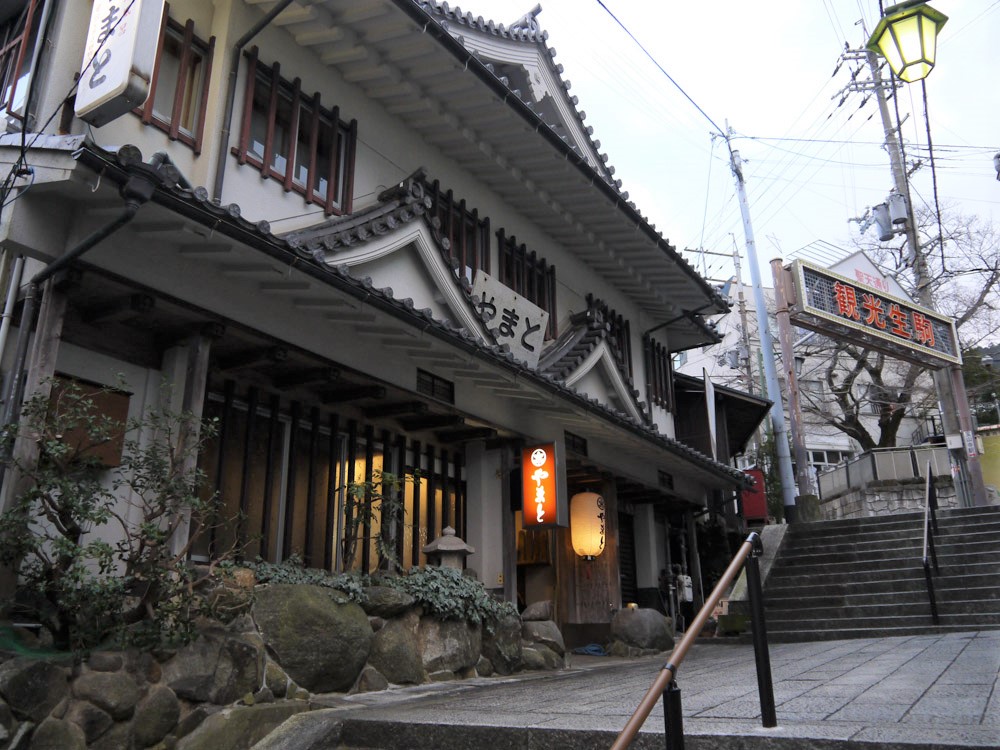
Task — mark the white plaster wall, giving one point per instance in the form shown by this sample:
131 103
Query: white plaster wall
484 509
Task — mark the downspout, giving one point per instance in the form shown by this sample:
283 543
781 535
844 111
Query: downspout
138 190
227 114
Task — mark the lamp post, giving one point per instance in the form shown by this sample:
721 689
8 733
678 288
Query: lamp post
906 36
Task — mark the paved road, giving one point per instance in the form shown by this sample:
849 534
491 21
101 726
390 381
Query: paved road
940 691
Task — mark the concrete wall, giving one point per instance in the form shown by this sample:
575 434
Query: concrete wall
885 500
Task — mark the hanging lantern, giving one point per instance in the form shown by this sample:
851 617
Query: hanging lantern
587 524
906 36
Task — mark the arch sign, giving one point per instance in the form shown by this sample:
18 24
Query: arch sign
843 309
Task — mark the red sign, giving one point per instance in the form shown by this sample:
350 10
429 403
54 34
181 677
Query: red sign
755 498
849 311
539 492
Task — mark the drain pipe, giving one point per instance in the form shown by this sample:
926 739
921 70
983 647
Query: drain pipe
8 310
227 114
138 190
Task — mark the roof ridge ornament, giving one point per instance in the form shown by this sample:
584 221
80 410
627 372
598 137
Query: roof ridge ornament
528 22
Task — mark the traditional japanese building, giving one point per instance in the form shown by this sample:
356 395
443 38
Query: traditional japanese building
366 237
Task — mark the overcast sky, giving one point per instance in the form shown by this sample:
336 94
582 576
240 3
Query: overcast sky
766 68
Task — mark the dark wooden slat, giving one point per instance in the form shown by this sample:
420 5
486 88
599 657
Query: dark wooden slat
400 466
220 489
293 441
310 520
271 468
366 524
352 456
419 479
432 484
248 441
331 492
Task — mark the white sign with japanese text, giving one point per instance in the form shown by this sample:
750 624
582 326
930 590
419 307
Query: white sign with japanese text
118 59
512 319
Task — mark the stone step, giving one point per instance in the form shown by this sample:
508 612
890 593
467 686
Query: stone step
802 612
878 524
899 538
915 592
889 568
914 550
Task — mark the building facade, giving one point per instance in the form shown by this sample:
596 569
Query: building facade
366 238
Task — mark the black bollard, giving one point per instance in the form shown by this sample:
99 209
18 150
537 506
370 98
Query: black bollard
672 718
765 687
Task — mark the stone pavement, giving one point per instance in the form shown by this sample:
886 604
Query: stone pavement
931 691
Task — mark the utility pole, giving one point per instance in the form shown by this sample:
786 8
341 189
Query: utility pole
742 305
767 347
954 407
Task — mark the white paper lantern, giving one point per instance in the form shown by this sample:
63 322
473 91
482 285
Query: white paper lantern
587 524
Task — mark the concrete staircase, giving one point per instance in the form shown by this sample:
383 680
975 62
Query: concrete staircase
863 577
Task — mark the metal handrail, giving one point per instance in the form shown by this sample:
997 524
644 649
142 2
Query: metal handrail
750 547
929 553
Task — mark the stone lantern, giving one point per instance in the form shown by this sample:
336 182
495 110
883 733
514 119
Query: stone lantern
448 550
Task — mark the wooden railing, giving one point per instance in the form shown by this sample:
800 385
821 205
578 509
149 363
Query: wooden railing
664 682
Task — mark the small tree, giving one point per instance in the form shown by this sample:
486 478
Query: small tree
365 502
96 548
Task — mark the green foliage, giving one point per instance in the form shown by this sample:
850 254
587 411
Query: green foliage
291 570
449 595
97 549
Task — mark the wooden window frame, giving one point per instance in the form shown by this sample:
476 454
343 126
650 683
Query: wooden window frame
190 45
468 235
13 50
659 374
337 199
529 275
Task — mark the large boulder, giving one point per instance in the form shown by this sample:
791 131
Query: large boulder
502 644
642 628
112 692
542 610
218 667
240 727
93 721
320 638
396 650
451 645
156 715
386 602
32 687
58 734
545 632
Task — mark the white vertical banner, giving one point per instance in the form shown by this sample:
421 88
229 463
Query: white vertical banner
118 59
710 409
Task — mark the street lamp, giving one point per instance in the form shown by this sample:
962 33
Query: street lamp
906 36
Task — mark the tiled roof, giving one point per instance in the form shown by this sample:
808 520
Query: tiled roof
228 220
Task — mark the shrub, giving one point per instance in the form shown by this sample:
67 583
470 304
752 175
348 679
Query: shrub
97 549
292 570
449 595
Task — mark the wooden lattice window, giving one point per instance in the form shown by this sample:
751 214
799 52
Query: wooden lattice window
468 235
528 275
659 374
19 24
292 138
620 333
178 90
